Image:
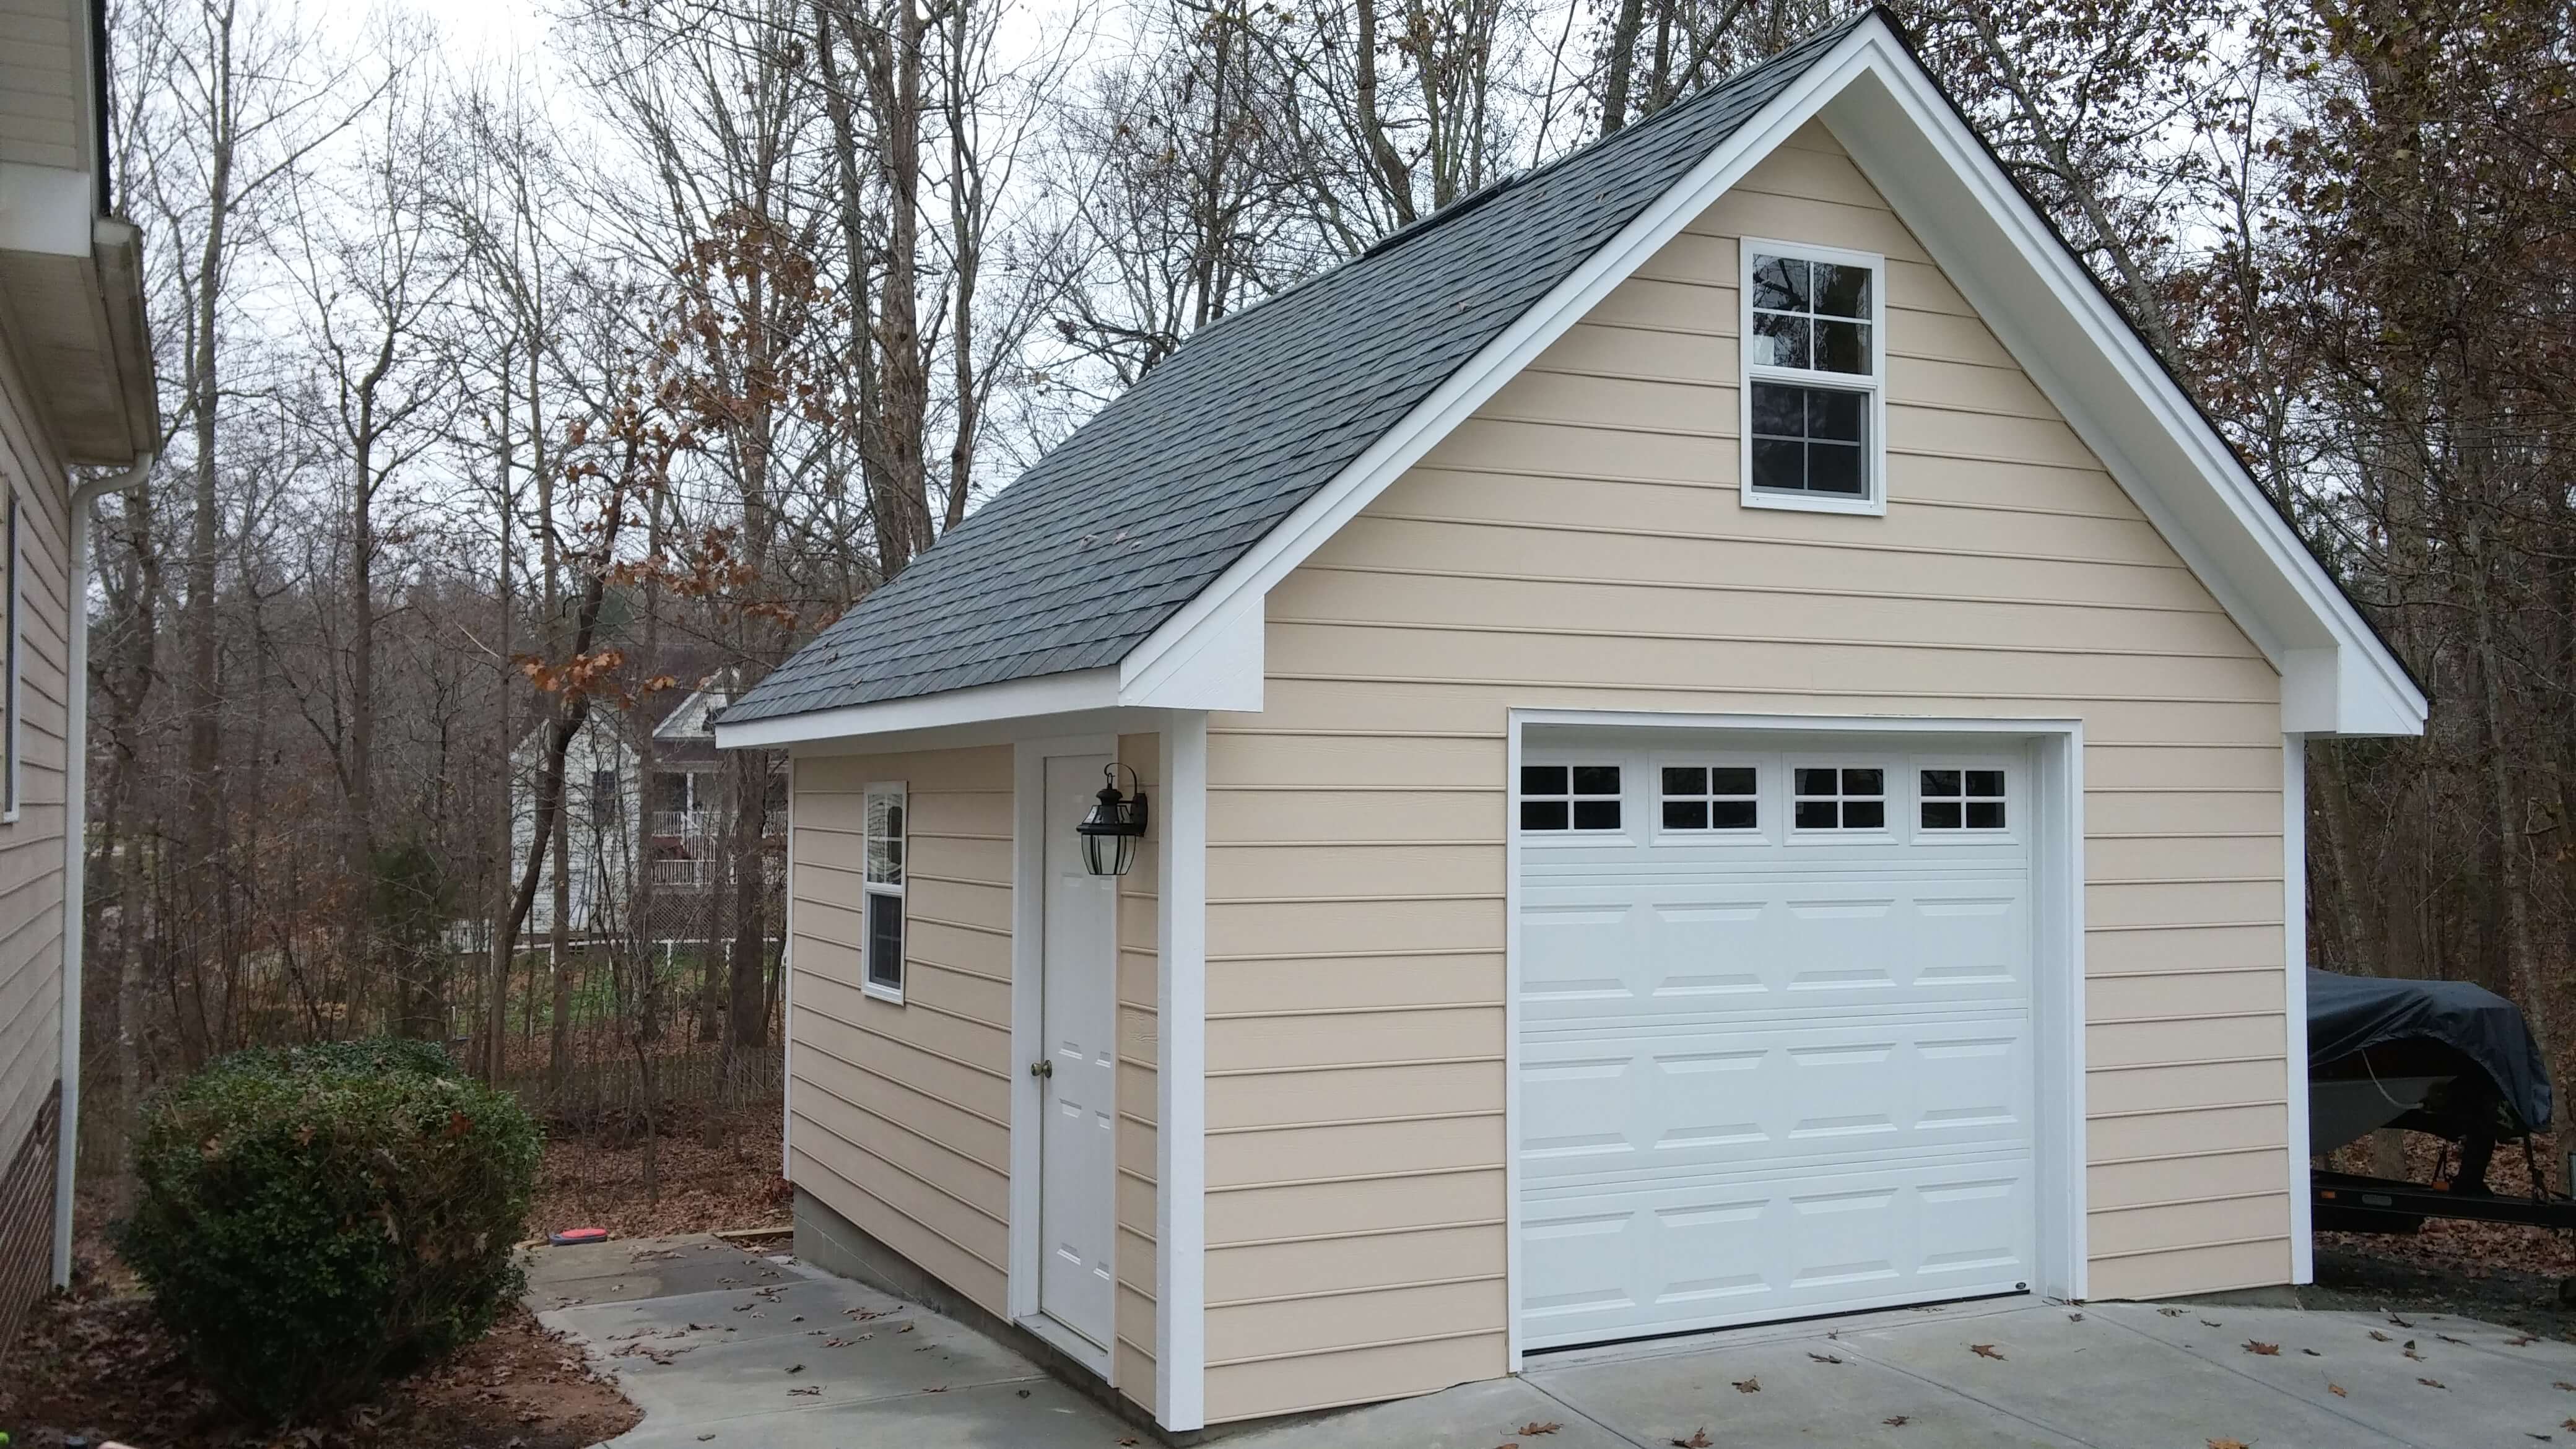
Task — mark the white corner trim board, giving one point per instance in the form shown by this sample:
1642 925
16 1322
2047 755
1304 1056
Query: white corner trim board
2294 940
1180 1239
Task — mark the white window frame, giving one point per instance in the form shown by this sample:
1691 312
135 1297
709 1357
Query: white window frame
1889 799
1573 834
1963 832
868 983
1765 810
12 769
1871 385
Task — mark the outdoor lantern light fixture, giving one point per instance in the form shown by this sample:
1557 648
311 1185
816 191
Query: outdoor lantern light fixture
1110 832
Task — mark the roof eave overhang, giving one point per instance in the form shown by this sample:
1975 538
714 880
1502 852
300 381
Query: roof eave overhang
1227 676
72 289
2337 676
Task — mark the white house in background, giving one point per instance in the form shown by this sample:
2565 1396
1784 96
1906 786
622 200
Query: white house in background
625 820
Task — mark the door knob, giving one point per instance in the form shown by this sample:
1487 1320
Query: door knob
1042 1067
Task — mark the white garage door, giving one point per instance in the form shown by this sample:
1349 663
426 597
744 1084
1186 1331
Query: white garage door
1775 1030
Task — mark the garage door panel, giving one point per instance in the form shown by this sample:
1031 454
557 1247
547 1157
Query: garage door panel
1610 1265
1772 1073
1657 1100
1596 951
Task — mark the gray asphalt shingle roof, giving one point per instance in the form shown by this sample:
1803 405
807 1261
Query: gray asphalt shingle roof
1107 536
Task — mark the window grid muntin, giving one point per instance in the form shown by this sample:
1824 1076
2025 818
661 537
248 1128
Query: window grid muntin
1572 799
1716 791
1825 798
1962 799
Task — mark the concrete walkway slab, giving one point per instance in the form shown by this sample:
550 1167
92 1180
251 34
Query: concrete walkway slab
619 1272
767 1354
759 1352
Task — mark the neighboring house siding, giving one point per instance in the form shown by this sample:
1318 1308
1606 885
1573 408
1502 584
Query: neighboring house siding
31 850
1579 544
901 1114
1139 998
40 82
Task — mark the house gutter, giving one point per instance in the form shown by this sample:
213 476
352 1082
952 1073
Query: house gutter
76 846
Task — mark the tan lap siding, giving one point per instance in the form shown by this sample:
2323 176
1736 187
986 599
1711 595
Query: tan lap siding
1579 543
31 849
901 1114
1139 997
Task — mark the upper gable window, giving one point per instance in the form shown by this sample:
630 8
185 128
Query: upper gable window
1814 374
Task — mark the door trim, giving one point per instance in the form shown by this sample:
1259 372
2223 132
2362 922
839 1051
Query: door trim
1028 1013
2057 959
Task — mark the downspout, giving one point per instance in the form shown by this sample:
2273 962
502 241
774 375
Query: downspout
76 846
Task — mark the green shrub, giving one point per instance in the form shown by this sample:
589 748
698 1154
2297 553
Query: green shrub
311 1220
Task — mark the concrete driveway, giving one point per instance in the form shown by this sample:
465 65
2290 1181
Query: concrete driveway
727 1348
2121 1374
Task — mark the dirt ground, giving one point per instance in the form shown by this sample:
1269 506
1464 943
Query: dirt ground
103 1367
98 1363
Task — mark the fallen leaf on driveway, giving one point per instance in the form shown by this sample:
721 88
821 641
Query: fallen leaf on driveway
2337 1391
1697 1440
814 1391
2227 1444
1825 1357
2209 1323
1534 1428
2519 1339
2312 1353
1984 1350
2400 1322
796 1368
2075 1318
2433 1383
1748 1386
2267 1350
1895 1421
2378 1336
2563 1384
2446 1338
2170 1312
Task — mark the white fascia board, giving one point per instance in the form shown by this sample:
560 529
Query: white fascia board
2084 356
1220 610
1046 694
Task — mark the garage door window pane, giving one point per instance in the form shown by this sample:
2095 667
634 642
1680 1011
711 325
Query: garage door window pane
1963 799
1709 797
1570 797
1851 798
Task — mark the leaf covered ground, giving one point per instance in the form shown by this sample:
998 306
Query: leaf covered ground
98 1363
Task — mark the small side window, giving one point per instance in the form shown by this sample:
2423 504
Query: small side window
1848 798
1570 798
1710 797
882 954
1963 799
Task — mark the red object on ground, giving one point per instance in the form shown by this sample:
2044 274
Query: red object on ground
578 1235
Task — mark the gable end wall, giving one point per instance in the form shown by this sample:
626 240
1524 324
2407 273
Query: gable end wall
1579 543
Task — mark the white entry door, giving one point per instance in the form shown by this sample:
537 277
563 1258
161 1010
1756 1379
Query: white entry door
1077 1156
1776 1052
